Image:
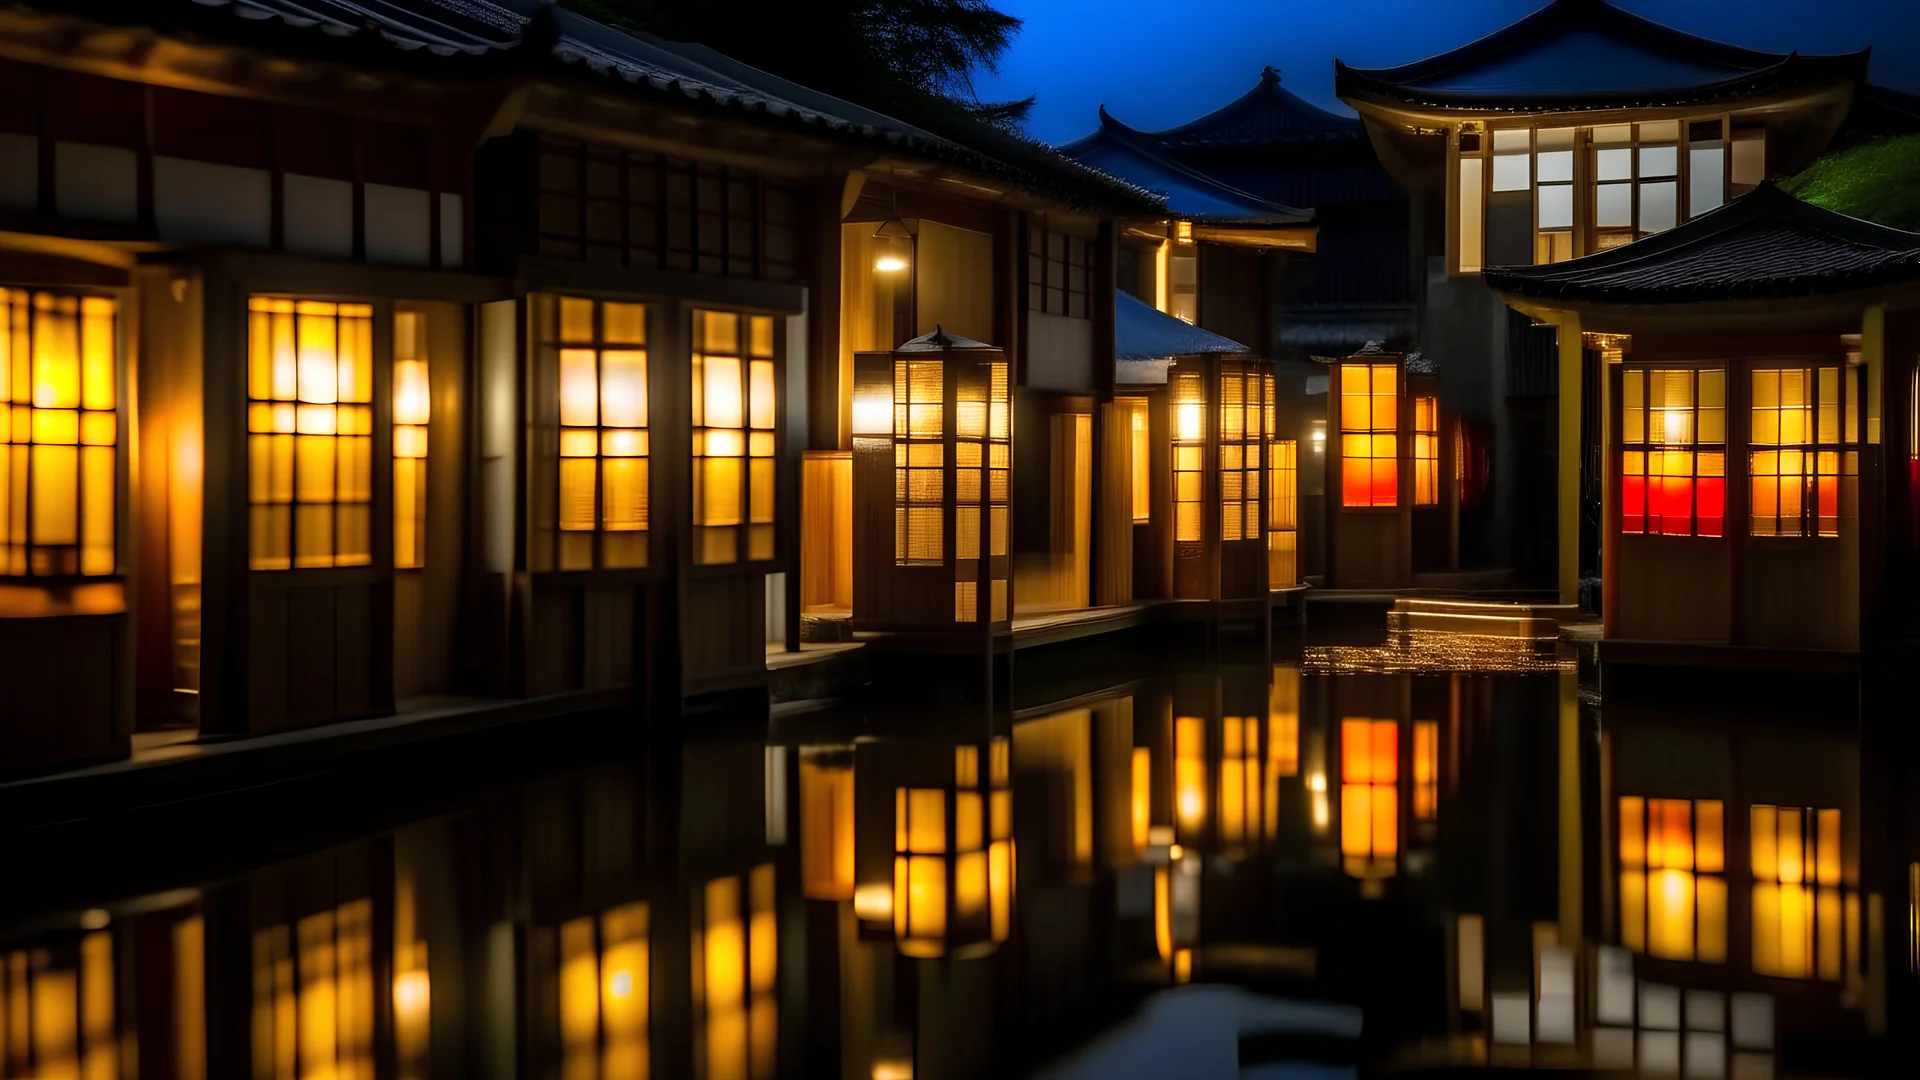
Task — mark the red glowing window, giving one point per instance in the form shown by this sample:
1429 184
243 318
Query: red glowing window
1673 460
1369 446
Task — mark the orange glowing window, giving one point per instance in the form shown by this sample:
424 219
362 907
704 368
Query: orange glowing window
1806 916
1426 769
604 446
1426 451
1369 794
310 433
1673 460
1369 443
1673 892
59 382
1802 467
735 409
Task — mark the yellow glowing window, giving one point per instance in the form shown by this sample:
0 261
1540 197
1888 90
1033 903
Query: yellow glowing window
604 478
953 858
310 432
1138 428
1673 892
1189 776
1806 917
1802 466
1426 769
1426 451
1673 460
59 384
1188 400
1283 514
735 978
1242 434
919 459
605 993
1369 443
1369 795
735 411
412 399
983 456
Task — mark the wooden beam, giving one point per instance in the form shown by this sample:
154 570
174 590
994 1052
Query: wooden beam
1568 520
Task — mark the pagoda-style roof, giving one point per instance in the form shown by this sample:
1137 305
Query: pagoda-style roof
1134 156
1589 54
1268 115
940 339
1765 245
1141 332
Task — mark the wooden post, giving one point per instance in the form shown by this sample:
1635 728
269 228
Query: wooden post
1568 520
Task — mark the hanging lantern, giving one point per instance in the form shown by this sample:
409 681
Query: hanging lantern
893 245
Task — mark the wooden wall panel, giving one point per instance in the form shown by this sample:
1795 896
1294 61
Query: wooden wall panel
353 651
1060 356
723 631
1243 569
1673 590
312 639
609 640
826 531
65 712
553 640
1367 552
1797 594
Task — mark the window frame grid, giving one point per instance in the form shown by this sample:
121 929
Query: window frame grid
1843 448
377 449
1372 435
599 344
925 499
1644 848
1245 447
1426 449
18 529
745 355
1646 449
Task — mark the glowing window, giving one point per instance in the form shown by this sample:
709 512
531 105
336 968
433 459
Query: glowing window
1240 780
314 981
1136 411
1553 195
603 501
1802 472
1369 795
1241 437
412 399
310 433
953 858
1369 446
58 381
1426 769
1426 451
734 435
1189 777
1673 457
919 462
983 459
1283 513
1673 892
1188 399
59 1002
1183 295
1806 917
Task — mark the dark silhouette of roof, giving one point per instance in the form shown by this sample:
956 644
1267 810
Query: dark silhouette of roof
1138 158
1765 245
1267 115
469 38
1575 54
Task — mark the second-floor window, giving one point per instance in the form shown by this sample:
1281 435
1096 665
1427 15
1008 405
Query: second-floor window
1059 269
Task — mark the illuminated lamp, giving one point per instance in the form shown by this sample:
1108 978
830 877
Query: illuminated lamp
1183 231
893 247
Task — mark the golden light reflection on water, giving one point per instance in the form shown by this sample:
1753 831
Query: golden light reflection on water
1412 652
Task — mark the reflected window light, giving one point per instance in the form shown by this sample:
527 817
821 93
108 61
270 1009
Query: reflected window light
1190 776
1803 910
953 873
313 995
1369 796
1426 768
1176 911
1283 740
735 958
1142 800
57 1009
1240 786
826 825
1672 889
605 994
190 999
1913 916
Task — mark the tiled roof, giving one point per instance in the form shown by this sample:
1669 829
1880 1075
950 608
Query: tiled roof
1267 115
1765 245
1142 333
535 35
1120 151
1575 54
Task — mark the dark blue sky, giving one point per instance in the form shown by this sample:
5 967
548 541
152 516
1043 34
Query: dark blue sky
1162 62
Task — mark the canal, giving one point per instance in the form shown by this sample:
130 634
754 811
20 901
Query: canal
1333 858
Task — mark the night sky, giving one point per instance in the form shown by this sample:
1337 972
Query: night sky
1156 63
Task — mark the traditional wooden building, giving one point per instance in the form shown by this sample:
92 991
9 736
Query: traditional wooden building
1758 396
1575 130
1392 463
468 353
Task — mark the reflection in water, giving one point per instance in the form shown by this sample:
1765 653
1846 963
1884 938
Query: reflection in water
1540 889
1672 858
